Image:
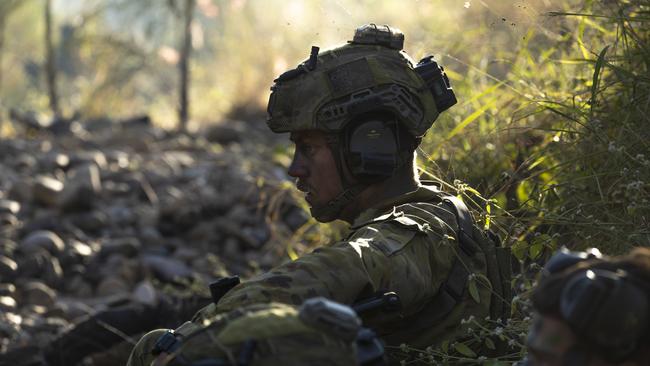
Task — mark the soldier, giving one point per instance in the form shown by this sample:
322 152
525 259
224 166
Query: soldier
356 114
592 310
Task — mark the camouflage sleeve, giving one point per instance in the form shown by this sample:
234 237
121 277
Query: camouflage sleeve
390 256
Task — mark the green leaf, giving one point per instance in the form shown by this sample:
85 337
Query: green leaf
471 118
597 72
489 344
519 249
473 290
535 250
445 346
464 350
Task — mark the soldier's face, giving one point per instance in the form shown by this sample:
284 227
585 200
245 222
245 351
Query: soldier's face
548 341
314 168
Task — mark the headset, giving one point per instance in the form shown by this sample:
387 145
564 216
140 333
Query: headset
375 145
608 307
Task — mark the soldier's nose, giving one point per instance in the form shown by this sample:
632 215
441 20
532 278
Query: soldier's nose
297 169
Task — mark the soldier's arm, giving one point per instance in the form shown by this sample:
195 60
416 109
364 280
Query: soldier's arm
387 257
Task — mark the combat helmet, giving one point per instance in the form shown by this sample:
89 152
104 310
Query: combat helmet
342 91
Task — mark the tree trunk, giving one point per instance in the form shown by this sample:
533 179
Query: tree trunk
183 65
2 43
50 66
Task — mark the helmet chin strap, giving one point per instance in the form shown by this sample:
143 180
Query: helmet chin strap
332 209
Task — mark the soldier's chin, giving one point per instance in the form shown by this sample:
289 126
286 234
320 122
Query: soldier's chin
322 213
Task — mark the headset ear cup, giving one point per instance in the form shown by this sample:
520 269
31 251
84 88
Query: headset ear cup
371 151
580 300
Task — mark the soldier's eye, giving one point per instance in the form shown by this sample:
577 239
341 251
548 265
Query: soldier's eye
306 149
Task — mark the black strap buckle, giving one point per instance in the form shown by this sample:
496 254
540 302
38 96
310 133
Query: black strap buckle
167 343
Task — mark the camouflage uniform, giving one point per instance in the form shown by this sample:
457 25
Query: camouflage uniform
273 334
406 245
417 245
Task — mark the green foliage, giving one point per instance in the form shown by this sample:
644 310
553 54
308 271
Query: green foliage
557 141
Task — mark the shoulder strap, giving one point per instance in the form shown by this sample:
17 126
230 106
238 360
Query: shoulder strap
465 223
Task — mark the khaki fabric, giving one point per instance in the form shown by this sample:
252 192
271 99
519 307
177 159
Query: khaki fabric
406 245
280 338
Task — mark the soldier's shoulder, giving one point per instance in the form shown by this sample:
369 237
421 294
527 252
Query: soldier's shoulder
392 231
411 216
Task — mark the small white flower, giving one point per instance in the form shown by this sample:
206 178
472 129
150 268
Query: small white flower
498 331
611 147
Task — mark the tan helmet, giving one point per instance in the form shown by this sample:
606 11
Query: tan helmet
369 73
362 94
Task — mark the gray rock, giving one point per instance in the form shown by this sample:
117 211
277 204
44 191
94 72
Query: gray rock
8 220
73 309
225 133
41 264
21 191
80 249
119 266
111 286
167 269
82 186
150 235
7 304
25 162
9 206
91 222
47 190
37 293
8 269
85 157
43 219
7 247
127 247
78 287
186 254
52 273
42 239
120 215
145 293
231 248
7 289
55 160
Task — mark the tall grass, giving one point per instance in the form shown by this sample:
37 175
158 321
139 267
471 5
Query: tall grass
560 141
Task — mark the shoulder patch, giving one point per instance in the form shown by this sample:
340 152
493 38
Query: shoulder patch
384 236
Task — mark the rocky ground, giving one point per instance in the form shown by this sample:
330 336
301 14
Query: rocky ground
97 210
